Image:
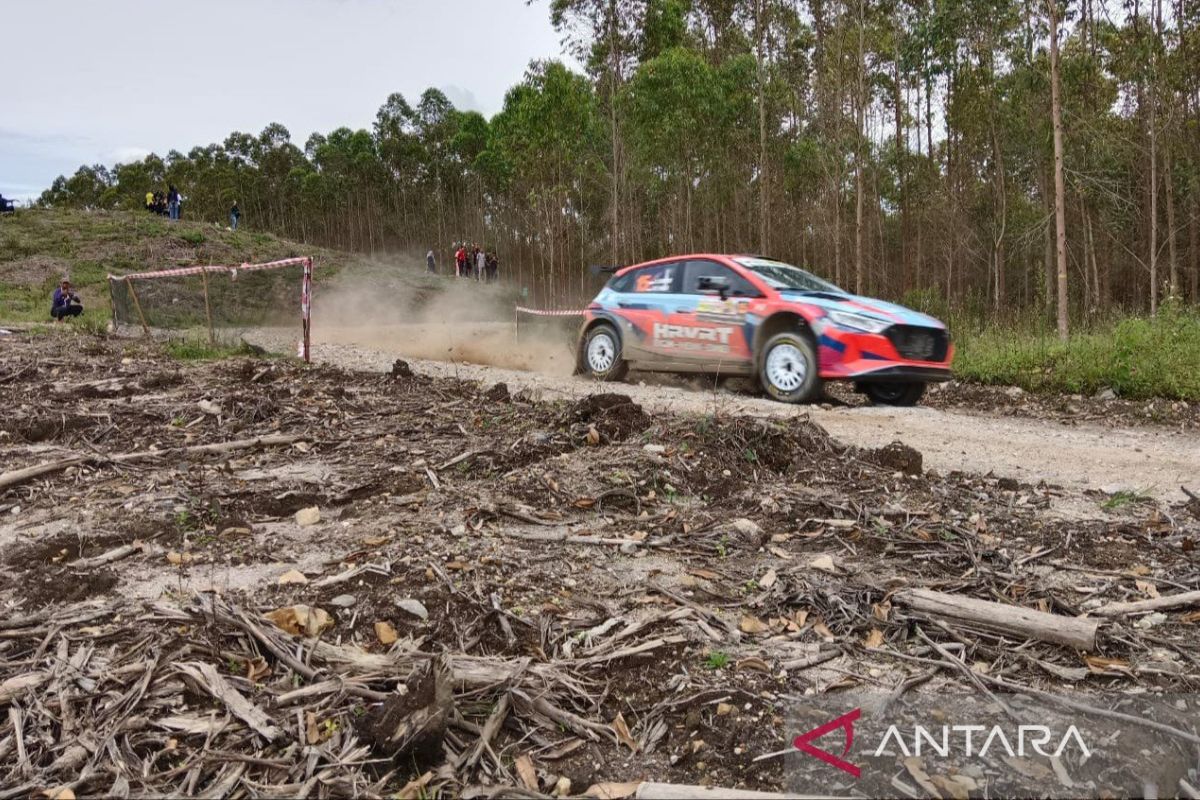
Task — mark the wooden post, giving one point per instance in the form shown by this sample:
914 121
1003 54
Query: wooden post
306 308
207 306
137 304
112 303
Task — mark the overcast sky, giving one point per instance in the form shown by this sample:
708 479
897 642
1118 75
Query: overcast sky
89 81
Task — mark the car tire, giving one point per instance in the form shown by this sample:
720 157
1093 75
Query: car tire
895 393
600 354
788 369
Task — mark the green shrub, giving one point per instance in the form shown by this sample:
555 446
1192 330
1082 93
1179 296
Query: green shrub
1137 357
195 349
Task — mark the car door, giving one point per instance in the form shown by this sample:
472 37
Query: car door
709 325
645 299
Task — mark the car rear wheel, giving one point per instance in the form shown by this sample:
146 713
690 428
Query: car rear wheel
601 354
788 370
898 393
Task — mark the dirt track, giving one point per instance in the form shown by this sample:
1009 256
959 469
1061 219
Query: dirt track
271 565
1149 459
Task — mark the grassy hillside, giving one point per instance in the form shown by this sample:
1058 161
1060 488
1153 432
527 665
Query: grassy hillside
39 246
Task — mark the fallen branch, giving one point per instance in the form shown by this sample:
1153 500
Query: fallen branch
1018 621
19 476
463 457
625 652
1155 604
116 554
570 538
210 680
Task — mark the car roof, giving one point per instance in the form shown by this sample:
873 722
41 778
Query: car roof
726 257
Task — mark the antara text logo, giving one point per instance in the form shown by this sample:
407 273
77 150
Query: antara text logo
971 741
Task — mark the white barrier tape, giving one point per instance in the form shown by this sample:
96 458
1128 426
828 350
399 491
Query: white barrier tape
537 312
180 271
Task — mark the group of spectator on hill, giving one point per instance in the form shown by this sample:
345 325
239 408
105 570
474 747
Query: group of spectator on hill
165 204
170 204
470 261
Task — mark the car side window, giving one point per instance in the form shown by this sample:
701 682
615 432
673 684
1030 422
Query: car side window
703 268
658 278
623 283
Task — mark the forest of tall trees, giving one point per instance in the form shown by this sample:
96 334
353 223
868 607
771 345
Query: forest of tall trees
997 155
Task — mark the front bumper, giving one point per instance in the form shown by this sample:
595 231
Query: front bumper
875 357
905 374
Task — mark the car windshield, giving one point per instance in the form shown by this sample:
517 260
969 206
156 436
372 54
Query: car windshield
784 276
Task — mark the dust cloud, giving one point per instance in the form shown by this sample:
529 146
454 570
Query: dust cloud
395 307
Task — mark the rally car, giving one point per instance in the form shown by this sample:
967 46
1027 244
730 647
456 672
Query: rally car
761 318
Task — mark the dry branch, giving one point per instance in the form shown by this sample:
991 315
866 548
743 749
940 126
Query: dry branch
210 680
1154 604
1024 623
19 476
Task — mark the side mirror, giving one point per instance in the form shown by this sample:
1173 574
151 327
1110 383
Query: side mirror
714 283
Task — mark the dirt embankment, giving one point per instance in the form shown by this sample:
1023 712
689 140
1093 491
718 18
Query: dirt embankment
562 592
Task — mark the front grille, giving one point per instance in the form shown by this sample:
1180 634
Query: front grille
919 343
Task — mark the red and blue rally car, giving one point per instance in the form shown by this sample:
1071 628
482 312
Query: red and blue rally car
758 317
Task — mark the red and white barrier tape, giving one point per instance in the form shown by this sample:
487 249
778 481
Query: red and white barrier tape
538 312
181 271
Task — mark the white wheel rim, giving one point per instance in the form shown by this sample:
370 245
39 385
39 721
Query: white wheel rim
786 367
601 352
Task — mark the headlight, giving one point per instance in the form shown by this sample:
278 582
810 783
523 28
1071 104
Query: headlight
858 322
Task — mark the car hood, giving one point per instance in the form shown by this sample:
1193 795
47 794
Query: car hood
867 306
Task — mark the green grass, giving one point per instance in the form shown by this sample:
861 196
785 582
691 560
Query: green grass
1137 357
717 659
1123 498
196 349
39 246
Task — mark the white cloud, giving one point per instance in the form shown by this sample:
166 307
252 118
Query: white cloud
124 155
463 99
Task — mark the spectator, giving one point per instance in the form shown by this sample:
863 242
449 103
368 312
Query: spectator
150 202
65 303
235 214
493 266
172 202
460 262
430 262
480 264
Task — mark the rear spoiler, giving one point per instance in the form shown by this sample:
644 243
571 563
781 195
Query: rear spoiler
602 269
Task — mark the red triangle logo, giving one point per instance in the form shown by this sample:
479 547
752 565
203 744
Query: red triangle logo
846 723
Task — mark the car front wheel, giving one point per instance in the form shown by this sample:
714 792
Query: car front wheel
601 354
898 393
788 370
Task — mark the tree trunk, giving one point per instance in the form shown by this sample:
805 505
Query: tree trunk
763 197
1194 244
1060 214
998 259
898 101
1172 255
1153 205
861 101
614 68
